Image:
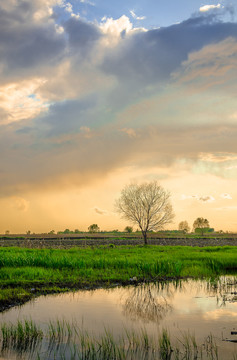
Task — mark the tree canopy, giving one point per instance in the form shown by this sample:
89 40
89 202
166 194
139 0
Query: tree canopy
128 229
183 226
146 205
202 224
93 228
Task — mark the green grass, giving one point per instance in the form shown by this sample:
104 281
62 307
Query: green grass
47 270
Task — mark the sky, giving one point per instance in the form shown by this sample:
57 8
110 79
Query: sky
96 94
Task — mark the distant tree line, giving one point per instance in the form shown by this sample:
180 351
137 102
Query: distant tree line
200 226
67 231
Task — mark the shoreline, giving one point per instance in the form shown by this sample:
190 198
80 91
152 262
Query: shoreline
27 272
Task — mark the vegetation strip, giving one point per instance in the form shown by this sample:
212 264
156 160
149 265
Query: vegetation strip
25 273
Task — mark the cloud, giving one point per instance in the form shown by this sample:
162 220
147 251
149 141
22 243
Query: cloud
206 198
136 17
28 38
218 157
59 156
227 208
87 2
19 102
115 30
97 83
233 116
226 196
150 58
86 131
20 203
82 35
130 132
186 197
232 167
210 67
68 7
206 8
57 120
100 211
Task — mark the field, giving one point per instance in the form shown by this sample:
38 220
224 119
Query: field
68 240
27 272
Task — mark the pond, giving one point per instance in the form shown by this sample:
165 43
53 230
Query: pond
192 311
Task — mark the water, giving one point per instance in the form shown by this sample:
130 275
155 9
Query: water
198 307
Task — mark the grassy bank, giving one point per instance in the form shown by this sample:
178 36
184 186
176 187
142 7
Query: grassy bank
26 272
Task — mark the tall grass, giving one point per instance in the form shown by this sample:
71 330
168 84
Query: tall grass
144 260
45 269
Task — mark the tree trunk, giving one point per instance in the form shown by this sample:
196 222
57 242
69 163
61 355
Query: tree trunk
144 233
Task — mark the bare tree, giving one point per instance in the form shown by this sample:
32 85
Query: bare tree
146 205
183 226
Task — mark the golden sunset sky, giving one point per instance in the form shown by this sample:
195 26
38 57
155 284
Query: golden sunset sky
95 95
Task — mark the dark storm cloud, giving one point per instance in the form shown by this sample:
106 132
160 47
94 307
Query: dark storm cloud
149 57
81 35
67 117
33 47
25 44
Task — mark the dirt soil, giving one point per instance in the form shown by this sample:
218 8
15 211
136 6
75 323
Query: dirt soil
69 241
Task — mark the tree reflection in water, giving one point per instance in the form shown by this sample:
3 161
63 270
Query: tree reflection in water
225 289
146 302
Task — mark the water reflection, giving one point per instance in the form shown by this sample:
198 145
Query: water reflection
147 303
225 289
152 302
200 307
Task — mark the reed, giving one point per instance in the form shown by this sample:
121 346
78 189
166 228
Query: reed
23 336
65 340
211 348
165 348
